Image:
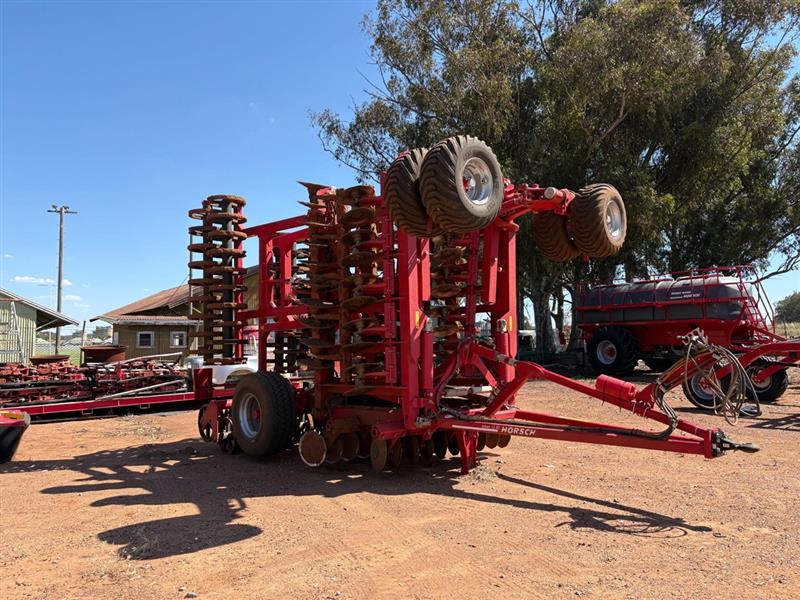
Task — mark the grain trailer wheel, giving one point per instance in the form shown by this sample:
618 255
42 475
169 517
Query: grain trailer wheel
461 184
263 413
402 197
598 220
612 351
552 239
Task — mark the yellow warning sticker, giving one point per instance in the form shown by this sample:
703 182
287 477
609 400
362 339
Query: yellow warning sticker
510 323
417 318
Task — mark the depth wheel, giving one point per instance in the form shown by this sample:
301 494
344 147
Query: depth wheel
461 184
263 413
598 220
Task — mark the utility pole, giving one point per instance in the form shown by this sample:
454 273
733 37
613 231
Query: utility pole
61 210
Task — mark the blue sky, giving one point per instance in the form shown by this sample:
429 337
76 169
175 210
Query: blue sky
132 113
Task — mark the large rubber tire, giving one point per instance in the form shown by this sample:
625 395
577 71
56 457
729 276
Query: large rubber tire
552 239
612 351
450 200
598 220
402 197
772 388
659 363
272 396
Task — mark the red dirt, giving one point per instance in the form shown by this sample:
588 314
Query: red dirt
139 507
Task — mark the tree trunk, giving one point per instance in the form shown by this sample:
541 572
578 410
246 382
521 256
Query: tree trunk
544 329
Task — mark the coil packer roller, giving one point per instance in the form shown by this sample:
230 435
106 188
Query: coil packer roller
367 316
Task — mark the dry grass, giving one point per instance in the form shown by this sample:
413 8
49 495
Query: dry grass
789 330
138 426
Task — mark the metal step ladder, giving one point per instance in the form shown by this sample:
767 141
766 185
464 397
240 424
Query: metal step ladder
11 347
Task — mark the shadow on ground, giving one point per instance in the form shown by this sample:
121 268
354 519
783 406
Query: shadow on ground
217 484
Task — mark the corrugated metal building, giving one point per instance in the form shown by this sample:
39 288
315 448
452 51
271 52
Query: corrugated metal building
32 317
157 324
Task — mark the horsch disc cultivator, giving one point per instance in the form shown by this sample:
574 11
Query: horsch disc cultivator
368 308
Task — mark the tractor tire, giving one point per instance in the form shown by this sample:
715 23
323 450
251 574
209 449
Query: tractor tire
264 420
598 220
402 197
772 388
461 184
552 239
612 351
658 363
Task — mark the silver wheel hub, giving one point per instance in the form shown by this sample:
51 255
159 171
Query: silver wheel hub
249 415
701 388
606 352
614 220
478 181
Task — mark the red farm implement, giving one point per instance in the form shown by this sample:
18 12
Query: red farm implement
367 308
647 319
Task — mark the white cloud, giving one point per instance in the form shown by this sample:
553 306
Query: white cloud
32 279
39 280
81 305
72 298
6 255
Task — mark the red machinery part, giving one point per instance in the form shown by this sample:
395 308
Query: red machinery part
390 344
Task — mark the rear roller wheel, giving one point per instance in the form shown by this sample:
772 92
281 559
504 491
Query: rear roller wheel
439 440
396 455
378 454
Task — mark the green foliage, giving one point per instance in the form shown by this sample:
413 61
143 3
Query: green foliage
685 106
788 309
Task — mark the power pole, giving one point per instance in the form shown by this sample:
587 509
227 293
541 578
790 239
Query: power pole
61 210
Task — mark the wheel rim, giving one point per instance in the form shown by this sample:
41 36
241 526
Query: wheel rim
614 220
702 390
606 352
478 181
762 385
250 416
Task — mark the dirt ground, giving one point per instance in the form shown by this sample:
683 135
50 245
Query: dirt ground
139 507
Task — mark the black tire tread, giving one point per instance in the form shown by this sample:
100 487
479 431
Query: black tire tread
587 221
402 196
439 194
627 349
552 239
280 395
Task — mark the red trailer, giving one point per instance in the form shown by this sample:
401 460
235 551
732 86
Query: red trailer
367 310
646 319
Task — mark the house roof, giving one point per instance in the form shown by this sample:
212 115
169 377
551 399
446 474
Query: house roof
46 318
169 298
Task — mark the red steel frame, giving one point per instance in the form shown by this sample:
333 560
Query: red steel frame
415 382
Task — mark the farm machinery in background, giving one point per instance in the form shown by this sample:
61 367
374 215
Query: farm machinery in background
647 319
55 386
367 308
